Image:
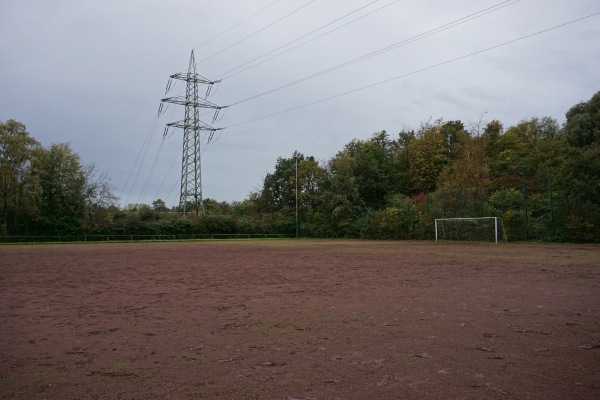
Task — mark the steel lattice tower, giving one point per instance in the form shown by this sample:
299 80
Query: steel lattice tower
191 169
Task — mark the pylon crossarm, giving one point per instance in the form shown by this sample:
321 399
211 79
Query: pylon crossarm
185 101
201 126
194 78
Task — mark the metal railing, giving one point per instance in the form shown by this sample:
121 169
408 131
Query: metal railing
137 238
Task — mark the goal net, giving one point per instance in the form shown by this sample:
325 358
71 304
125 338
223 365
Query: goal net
483 229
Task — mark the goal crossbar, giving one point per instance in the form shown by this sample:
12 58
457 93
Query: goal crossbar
498 227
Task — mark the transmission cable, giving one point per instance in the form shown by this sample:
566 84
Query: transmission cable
302 37
236 25
145 146
419 70
167 174
311 40
420 36
171 191
151 172
258 31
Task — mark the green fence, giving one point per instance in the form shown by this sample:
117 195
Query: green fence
529 211
135 238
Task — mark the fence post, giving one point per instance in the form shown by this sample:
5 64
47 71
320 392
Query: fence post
462 203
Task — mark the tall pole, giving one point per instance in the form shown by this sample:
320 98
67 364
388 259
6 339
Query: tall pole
190 194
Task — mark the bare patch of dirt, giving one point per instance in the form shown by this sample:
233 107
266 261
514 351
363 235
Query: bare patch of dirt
299 320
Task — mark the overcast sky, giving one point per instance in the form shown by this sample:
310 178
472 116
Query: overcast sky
93 73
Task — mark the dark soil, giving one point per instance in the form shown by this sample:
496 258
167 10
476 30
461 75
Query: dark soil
299 320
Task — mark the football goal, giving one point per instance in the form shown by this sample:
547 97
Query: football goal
482 229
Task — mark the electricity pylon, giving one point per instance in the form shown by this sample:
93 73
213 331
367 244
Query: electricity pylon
191 168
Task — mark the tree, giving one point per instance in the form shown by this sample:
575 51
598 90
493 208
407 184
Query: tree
582 127
159 205
404 157
469 166
342 200
548 127
580 174
19 191
97 192
429 156
451 132
63 181
491 134
279 188
514 152
376 168
310 177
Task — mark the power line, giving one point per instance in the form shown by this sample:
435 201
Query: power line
258 31
311 40
171 191
167 174
151 172
420 36
238 24
146 145
302 37
144 149
420 70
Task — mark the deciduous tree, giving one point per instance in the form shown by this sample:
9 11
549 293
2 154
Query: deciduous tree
62 180
583 123
429 156
342 200
19 190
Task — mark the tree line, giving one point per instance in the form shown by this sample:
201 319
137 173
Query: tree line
48 190
541 177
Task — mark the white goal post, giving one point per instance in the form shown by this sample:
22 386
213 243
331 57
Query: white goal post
482 229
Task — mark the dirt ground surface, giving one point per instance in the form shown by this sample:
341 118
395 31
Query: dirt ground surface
291 320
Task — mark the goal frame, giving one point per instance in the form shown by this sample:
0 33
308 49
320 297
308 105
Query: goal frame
496 222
